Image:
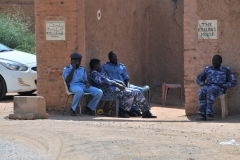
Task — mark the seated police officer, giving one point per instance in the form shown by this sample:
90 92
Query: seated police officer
76 78
118 71
127 96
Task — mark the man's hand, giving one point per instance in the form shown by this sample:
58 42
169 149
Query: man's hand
74 64
87 85
127 82
70 75
121 87
122 83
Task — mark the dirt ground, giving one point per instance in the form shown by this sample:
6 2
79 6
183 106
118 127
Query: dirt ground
171 136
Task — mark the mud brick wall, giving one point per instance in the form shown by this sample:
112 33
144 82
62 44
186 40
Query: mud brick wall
198 53
27 6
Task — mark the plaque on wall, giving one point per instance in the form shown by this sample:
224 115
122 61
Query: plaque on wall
55 30
207 29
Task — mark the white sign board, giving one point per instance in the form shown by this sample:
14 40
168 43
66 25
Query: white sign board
207 29
55 30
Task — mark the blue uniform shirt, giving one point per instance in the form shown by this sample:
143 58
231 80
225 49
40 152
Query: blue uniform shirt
79 75
118 72
211 76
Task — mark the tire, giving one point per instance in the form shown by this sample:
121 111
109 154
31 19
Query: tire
28 93
3 88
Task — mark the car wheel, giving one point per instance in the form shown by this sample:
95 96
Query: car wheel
3 88
26 93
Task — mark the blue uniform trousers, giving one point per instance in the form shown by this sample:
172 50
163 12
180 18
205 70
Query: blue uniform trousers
206 96
80 89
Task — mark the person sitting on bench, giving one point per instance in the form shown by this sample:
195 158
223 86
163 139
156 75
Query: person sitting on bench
127 96
118 71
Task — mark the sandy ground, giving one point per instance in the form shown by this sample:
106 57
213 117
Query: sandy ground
171 136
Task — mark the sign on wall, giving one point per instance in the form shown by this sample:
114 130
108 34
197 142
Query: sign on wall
207 29
55 30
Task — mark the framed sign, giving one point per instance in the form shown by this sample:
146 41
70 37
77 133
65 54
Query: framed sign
207 29
55 30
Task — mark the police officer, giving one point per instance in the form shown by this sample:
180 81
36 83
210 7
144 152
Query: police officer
214 81
118 71
76 78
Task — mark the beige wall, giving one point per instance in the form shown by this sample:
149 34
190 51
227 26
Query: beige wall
198 54
27 6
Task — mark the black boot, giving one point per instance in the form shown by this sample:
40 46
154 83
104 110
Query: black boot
132 113
137 112
136 109
72 112
210 117
201 117
122 113
148 114
85 110
90 112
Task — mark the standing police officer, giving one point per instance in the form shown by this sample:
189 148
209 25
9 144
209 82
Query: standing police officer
76 78
214 81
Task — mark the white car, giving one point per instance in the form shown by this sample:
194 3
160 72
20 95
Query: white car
18 72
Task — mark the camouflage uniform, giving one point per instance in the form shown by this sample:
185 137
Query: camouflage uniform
209 91
127 97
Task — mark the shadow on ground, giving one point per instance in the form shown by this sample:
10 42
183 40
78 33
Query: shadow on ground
178 119
173 111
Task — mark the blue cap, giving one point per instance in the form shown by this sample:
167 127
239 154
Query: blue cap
76 56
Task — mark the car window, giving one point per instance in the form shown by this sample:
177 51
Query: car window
4 48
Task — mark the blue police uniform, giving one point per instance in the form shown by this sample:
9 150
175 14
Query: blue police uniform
78 86
118 72
208 79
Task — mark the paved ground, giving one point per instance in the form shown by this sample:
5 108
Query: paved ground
171 136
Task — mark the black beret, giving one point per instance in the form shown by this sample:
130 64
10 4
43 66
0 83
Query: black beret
76 56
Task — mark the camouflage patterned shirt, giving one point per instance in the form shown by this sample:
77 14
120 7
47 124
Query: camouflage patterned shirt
210 76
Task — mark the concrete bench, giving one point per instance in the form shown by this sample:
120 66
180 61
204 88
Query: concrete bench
29 107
